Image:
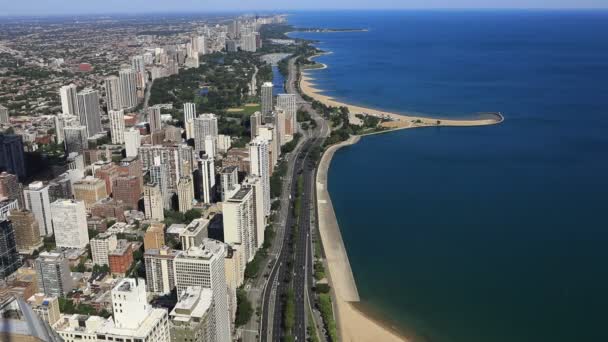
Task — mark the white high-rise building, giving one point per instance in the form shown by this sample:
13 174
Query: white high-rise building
113 100
256 122
202 45
279 126
75 138
204 266
53 274
62 121
154 119
239 221
269 133
248 42
255 183
134 319
260 166
287 102
267 104
37 200
204 126
132 142
206 174
117 126
89 111
128 88
189 115
153 203
159 270
70 223
69 102
101 246
229 181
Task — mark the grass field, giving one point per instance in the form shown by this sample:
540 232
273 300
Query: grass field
247 109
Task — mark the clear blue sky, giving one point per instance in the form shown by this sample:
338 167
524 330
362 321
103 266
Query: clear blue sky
54 7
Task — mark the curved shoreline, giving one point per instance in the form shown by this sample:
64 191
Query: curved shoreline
353 323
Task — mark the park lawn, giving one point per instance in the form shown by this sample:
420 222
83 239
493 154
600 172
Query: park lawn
247 109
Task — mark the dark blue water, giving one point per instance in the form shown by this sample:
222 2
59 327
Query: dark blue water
484 233
278 81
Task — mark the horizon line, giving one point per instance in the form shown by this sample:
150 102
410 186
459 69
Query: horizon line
288 11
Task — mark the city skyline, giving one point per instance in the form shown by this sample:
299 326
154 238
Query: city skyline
72 7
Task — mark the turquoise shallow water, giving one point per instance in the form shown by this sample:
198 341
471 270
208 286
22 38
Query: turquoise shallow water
482 233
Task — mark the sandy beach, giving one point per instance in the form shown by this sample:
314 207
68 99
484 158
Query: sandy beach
353 324
397 120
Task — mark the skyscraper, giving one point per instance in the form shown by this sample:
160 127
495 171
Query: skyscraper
206 179
62 121
279 125
287 102
189 115
70 223
192 318
185 194
154 119
113 100
204 126
128 190
229 180
69 102
37 200
260 166
27 233
11 154
3 115
137 63
89 111
160 276
158 175
117 126
101 246
76 139
128 88
239 221
132 142
204 266
53 274
255 183
9 256
256 122
267 104
11 188
153 202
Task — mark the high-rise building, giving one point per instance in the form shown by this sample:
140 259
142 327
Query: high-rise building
260 166
117 126
194 234
113 100
287 102
89 111
170 155
159 175
27 233
128 88
229 180
101 246
128 190
192 317
279 124
37 200
69 101
11 188
132 142
46 307
189 115
153 202
70 223
138 64
53 274
155 236
154 119
239 221
267 103
90 190
12 158
255 183
62 121
185 193
9 255
76 139
204 126
3 115
160 276
134 319
205 176
269 133
256 122
204 266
